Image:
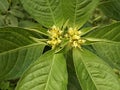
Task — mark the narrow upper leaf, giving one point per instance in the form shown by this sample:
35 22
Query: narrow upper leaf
110 32
78 11
48 73
93 73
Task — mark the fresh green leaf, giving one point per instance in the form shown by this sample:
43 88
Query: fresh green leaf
110 33
78 11
48 73
86 30
46 12
17 52
39 30
109 52
28 24
93 73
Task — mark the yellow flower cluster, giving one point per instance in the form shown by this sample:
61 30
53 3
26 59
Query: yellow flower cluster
74 37
55 35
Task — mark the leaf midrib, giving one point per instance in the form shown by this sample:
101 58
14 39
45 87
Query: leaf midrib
89 73
75 13
51 11
19 48
50 73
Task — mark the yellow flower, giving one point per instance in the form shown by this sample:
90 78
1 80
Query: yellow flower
74 36
71 31
55 32
54 42
55 35
75 44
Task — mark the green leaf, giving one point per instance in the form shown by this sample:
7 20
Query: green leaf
93 73
86 30
17 51
48 73
78 11
28 24
4 5
111 8
110 32
46 12
109 52
36 27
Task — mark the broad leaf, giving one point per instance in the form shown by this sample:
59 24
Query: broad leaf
48 73
110 52
93 73
110 32
78 11
111 8
46 12
17 51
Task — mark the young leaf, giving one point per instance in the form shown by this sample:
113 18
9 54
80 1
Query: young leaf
78 11
46 12
93 73
109 52
110 32
17 52
48 73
